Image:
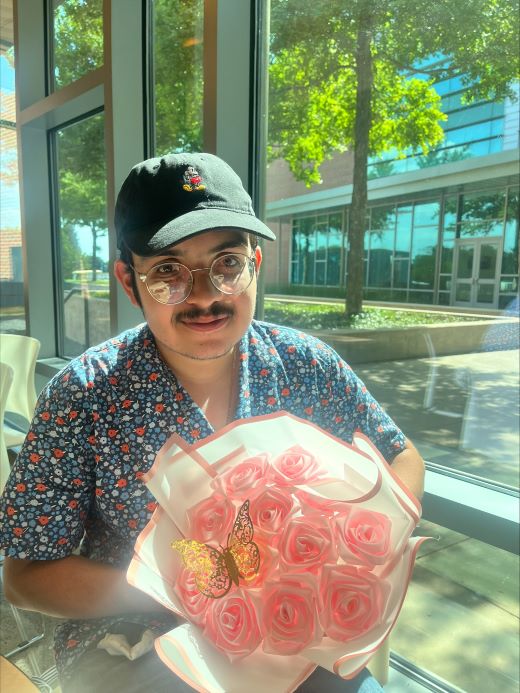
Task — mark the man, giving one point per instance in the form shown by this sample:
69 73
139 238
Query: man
189 258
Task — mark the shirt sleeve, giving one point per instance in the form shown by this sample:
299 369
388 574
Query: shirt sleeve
355 409
49 491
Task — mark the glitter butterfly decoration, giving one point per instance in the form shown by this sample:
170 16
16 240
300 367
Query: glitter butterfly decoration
217 569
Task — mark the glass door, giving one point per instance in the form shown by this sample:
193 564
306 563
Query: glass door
476 270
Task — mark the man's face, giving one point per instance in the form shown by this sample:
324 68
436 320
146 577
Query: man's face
208 323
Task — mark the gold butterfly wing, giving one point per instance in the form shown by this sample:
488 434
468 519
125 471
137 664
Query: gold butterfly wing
241 546
208 565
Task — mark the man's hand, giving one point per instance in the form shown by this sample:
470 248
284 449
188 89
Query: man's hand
73 587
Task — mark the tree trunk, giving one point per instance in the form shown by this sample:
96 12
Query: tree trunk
363 122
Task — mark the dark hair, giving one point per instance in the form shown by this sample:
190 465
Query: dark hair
125 255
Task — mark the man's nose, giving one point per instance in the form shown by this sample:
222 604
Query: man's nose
202 290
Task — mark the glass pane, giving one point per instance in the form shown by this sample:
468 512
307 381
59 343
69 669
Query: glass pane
335 240
447 252
483 206
469 590
400 272
380 262
511 233
404 217
321 244
450 212
470 229
465 262
426 214
178 76
488 261
424 245
320 273
12 308
83 235
382 218
485 293
463 292
77 39
312 107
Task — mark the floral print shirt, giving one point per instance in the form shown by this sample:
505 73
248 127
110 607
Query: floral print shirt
100 422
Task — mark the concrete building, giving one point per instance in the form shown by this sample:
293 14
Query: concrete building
442 229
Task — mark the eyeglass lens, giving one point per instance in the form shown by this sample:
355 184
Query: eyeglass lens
171 282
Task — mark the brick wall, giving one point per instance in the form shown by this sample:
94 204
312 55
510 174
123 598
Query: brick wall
9 238
282 184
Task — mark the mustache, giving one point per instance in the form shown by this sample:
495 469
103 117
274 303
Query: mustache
215 311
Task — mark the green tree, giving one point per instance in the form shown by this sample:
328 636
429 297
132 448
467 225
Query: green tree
78 39
360 75
82 179
178 75
77 50
70 252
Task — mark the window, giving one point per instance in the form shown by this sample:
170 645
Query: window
177 75
82 289
77 33
12 308
317 244
442 231
470 610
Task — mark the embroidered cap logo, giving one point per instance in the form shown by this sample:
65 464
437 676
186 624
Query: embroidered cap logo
192 180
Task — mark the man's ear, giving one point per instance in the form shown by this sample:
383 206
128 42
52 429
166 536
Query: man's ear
258 258
124 277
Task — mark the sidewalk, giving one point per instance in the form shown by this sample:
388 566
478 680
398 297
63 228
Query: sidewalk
460 618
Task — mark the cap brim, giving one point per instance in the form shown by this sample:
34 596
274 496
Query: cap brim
193 223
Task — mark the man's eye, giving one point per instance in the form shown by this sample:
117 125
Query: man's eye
170 269
230 261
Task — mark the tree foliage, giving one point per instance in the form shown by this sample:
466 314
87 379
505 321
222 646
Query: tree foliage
178 75
360 76
78 39
78 49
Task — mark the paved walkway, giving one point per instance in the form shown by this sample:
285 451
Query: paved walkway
461 411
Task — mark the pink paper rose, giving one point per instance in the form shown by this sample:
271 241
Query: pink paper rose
289 615
363 536
241 480
232 624
352 601
270 510
313 502
211 520
295 466
307 544
195 604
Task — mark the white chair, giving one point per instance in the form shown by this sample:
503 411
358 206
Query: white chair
20 353
6 379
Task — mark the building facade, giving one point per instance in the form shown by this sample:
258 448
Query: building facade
442 229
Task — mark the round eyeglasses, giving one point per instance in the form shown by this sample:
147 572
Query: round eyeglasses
170 282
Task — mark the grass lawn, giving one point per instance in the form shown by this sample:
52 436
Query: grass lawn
312 316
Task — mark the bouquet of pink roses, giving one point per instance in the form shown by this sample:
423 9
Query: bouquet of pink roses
282 547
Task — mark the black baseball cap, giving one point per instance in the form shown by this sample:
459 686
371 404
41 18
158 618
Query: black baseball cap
168 199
